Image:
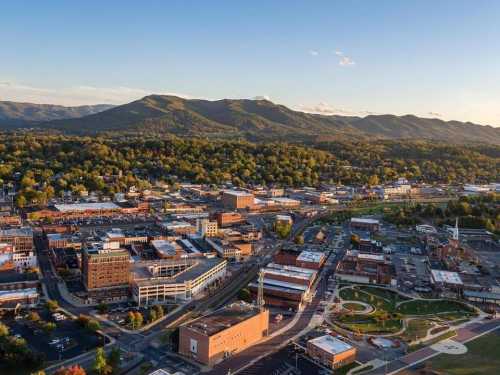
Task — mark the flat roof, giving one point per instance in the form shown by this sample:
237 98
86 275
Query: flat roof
364 220
447 277
376 257
238 193
311 256
305 271
17 232
284 284
485 295
223 318
164 247
195 267
288 273
86 206
331 344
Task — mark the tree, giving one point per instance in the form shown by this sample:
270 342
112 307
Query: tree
102 308
33 316
4 330
49 327
159 311
373 180
244 295
114 359
100 365
299 239
131 319
139 319
152 315
93 325
52 305
71 370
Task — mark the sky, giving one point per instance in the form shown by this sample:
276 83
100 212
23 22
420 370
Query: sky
430 58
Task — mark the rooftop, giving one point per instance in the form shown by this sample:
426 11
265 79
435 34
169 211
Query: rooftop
17 232
223 318
330 344
238 193
364 220
86 206
447 277
166 248
311 256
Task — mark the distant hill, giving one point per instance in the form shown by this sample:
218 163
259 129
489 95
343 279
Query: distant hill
14 114
262 120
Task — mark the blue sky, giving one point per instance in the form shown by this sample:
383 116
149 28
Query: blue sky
430 58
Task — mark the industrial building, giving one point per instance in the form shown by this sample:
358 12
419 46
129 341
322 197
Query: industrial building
11 299
331 352
366 268
223 333
156 282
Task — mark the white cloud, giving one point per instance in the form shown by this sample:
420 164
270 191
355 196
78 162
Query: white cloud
74 95
435 114
344 60
313 53
323 108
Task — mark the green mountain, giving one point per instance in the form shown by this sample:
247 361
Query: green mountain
260 120
14 114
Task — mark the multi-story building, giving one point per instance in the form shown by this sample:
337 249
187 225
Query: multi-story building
156 282
106 271
371 225
330 351
207 228
234 199
366 268
223 333
225 249
229 218
21 240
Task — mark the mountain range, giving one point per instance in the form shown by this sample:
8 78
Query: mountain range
13 114
255 120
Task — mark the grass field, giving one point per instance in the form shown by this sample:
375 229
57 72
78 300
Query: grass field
416 329
369 324
353 306
457 310
482 358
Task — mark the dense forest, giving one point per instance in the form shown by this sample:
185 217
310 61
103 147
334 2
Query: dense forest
43 165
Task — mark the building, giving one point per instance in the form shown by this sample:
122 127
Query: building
225 249
371 225
446 280
207 228
225 219
178 227
223 333
157 282
286 202
11 299
366 268
284 220
235 200
310 259
21 241
106 271
331 352
167 249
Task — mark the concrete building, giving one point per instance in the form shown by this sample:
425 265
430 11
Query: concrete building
11 299
310 259
106 271
207 228
157 282
331 352
223 333
366 268
234 199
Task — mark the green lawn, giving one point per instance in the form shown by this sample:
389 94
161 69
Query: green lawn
419 307
416 329
353 306
483 358
369 324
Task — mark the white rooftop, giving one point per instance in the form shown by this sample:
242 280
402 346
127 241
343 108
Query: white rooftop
305 271
238 193
376 257
285 284
6 295
330 344
364 220
86 206
311 256
447 277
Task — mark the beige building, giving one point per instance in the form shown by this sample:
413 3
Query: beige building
233 199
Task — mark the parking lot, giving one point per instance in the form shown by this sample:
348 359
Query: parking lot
67 340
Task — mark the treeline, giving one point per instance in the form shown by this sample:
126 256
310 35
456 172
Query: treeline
42 166
472 212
